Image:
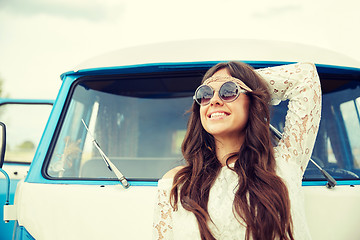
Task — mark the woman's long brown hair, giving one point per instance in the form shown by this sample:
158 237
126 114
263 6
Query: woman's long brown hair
262 199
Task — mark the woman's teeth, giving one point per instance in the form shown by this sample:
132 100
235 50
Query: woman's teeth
217 114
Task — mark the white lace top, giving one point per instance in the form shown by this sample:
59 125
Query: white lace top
300 84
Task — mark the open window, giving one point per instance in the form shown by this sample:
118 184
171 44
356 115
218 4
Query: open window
25 121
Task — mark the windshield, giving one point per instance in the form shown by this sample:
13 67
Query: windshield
140 123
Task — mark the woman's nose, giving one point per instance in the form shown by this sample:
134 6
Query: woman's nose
216 99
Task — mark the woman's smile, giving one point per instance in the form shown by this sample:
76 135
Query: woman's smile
218 115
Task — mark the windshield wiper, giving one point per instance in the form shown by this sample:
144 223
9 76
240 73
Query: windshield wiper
331 181
107 161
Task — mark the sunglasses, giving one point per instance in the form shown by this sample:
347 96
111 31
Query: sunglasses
228 92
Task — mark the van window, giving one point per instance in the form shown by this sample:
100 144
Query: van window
350 110
338 141
25 123
140 123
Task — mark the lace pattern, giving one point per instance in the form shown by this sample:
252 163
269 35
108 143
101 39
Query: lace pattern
163 211
300 84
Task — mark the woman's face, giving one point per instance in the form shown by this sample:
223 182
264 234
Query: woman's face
224 119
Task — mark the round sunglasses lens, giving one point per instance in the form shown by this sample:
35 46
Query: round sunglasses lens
229 91
203 95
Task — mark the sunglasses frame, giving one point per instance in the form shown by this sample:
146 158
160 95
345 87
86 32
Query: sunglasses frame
238 87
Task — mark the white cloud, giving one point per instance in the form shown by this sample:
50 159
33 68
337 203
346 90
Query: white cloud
80 9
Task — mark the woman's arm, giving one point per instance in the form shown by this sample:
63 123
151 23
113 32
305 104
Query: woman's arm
163 222
163 212
301 85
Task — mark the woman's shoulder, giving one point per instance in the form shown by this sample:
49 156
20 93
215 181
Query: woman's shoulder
171 173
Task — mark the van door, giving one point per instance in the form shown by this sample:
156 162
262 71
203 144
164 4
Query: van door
25 121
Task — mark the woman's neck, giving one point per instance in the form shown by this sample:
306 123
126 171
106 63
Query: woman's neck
227 146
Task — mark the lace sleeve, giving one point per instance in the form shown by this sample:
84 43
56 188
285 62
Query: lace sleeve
300 84
163 222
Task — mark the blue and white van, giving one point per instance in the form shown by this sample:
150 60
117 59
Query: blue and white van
133 104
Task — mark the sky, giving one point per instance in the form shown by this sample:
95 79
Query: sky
40 39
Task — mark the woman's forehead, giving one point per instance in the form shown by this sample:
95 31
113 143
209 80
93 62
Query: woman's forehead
216 84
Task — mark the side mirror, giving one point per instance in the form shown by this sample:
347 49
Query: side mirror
2 143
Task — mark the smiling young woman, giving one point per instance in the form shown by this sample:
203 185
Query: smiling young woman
235 184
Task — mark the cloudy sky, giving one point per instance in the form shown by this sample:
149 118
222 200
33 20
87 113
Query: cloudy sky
40 39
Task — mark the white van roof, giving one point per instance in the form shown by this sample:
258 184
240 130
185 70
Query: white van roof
219 50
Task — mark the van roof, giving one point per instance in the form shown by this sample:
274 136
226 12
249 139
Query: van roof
218 50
